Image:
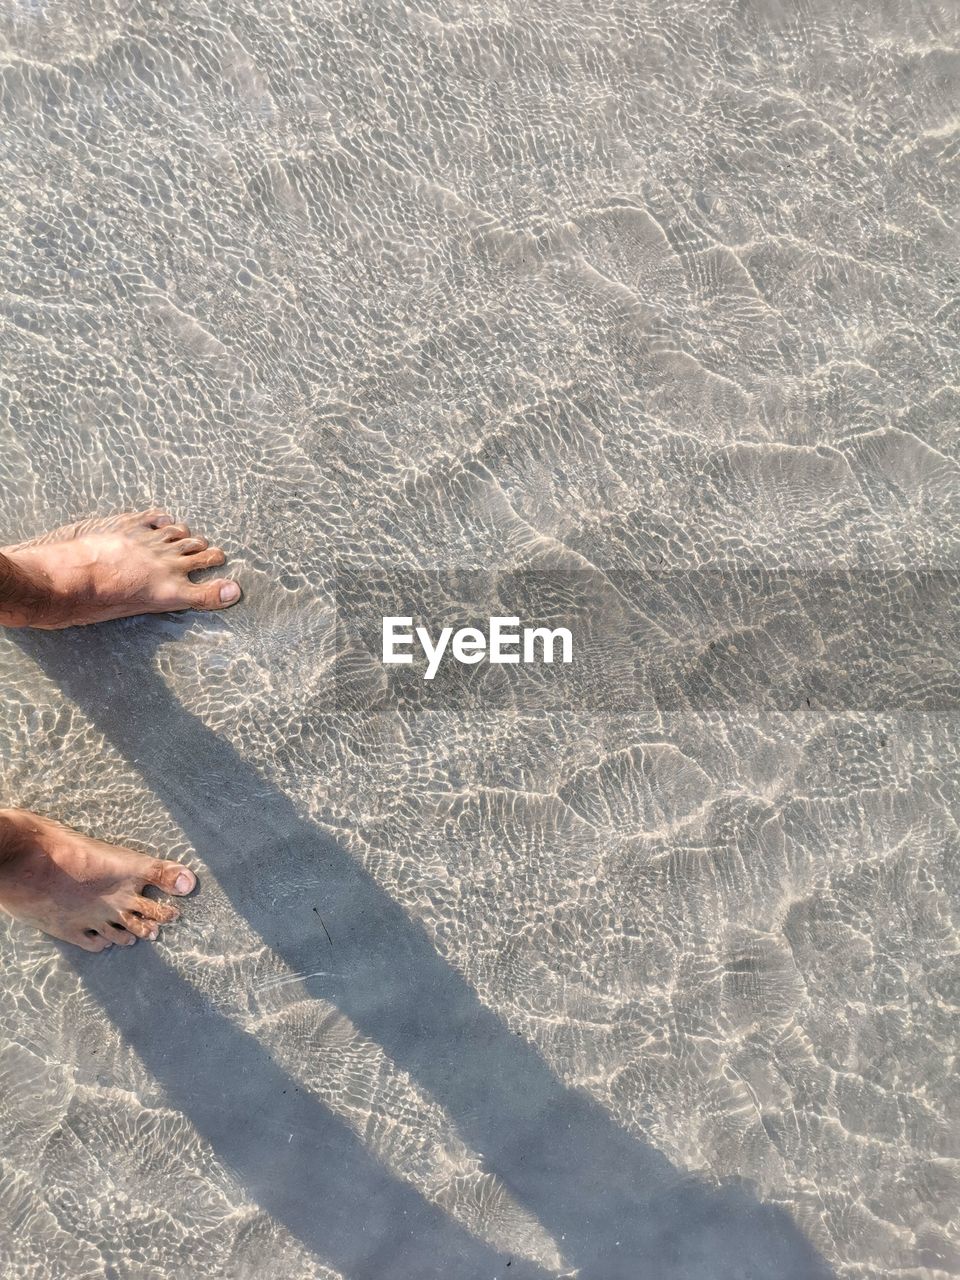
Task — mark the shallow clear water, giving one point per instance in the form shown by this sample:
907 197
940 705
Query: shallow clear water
640 989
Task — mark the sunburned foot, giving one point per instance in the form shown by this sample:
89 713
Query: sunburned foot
81 890
113 568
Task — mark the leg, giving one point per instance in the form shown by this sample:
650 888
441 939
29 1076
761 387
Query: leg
81 890
109 568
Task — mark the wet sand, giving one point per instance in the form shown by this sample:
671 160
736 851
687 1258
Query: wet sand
557 982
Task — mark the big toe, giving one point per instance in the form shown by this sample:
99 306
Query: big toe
221 593
171 877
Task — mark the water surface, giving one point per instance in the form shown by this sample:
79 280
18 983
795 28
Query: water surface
664 987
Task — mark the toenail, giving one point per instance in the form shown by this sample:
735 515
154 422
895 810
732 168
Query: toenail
182 883
230 591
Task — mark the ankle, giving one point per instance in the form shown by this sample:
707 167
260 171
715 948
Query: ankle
13 828
25 597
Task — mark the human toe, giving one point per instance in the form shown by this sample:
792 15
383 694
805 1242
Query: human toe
136 925
206 559
89 939
218 594
151 910
117 933
174 532
154 518
171 877
190 546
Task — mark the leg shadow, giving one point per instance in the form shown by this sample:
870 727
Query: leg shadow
294 1157
615 1205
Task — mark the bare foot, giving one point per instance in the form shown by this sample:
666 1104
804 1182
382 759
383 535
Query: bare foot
82 890
113 568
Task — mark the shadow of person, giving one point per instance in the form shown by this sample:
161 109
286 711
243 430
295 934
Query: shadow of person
616 1207
294 1157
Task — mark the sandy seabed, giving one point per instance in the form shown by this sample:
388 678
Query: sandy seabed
661 990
